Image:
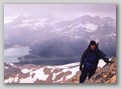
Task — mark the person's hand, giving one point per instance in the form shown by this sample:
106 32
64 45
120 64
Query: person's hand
81 67
108 62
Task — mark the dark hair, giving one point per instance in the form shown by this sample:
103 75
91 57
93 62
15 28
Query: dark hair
92 42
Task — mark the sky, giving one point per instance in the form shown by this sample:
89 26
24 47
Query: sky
11 11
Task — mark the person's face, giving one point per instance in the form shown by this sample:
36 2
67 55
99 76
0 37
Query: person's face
93 47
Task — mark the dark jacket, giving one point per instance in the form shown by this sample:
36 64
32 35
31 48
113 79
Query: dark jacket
91 58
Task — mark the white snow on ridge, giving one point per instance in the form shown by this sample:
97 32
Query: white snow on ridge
12 65
6 20
39 74
68 65
67 68
40 24
77 37
6 67
9 19
25 71
10 80
90 26
26 80
16 79
112 34
59 29
80 25
101 63
73 70
27 21
71 64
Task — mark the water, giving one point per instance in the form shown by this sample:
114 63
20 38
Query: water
11 54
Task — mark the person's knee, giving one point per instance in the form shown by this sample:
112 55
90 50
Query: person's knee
91 74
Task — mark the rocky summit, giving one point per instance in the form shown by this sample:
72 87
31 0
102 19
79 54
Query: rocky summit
68 73
106 74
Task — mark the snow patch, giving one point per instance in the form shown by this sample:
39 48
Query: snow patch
91 26
12 65
73 70
6 67
80 25
16 79
101 63
26 80
77 37
25 71
39 74
10 80
40 24
10 19
69 65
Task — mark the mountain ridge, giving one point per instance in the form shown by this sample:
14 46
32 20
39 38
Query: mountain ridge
68 73
66 38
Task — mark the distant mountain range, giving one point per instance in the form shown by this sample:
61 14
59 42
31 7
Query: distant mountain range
64 38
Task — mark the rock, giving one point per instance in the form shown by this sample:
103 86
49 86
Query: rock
30 73
107 74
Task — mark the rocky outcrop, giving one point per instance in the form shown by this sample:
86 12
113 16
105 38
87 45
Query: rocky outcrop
106 74
69 73
30 73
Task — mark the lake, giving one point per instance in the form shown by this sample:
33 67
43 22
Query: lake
11 54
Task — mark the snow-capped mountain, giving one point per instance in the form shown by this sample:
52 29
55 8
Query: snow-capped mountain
62 38
74 28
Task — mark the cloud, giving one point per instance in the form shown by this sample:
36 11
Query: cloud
64 10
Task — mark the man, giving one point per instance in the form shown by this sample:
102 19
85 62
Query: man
90 59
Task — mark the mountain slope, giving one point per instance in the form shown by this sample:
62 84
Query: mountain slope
64 38
106 74
30 73
69 73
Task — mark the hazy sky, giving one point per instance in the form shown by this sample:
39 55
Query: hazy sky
61 10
